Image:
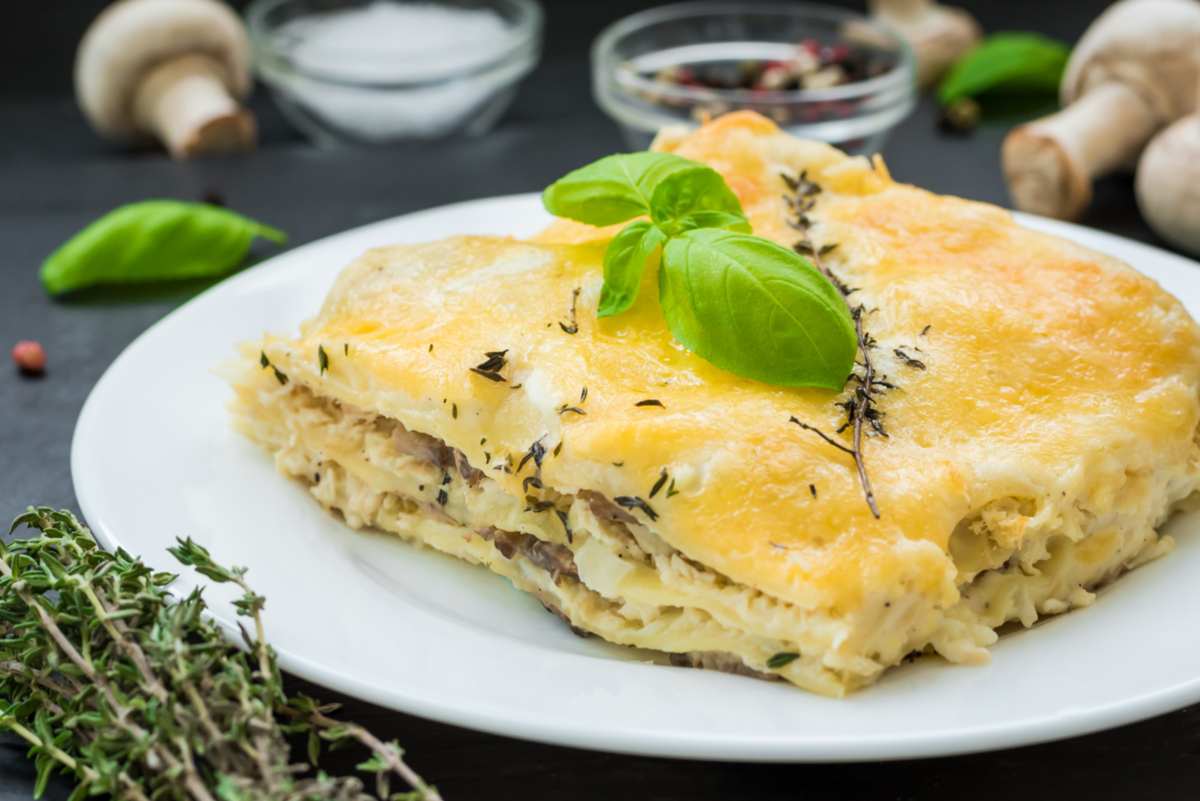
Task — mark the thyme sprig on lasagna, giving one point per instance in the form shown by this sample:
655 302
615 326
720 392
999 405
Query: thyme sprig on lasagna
745 304
867 384
137 694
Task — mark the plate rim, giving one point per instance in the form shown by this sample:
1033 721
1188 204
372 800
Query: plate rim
947 741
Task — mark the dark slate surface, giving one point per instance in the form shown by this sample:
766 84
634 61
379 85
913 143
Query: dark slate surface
55 177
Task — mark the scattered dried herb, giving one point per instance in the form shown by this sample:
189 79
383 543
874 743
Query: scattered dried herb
635 502
662 479
322 359
442 497
812 488
536 452
490 367
925 330
650 402
454 411
565 409
671 491
345 348
558 448
583 395
908 360
531 481
782 659
280 376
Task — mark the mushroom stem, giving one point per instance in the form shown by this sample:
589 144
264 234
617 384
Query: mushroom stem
1050 163
186 103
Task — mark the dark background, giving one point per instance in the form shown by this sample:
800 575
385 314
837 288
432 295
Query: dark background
55 176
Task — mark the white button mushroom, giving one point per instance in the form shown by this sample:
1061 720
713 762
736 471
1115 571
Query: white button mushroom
937 34
1133 72
1168 183
172 69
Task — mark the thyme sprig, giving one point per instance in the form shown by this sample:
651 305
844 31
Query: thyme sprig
572 324
137 694
866 383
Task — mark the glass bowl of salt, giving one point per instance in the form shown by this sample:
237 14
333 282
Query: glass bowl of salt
373 72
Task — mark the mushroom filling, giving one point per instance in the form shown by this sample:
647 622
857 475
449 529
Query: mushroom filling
376 472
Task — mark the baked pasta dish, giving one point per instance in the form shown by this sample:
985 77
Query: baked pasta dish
1031 420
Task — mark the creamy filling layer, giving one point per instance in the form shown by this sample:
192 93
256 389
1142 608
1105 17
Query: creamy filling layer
590 562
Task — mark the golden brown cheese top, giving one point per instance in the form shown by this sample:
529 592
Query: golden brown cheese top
1042 360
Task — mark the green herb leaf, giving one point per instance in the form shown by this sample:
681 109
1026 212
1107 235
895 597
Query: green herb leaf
714 219
154 240
624 262
45 767
696 191
782 659
757 309
614 189
1008 63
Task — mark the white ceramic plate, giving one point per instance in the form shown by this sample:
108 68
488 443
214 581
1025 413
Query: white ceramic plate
154 457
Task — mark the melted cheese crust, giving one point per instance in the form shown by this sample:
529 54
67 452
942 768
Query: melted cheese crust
1058 409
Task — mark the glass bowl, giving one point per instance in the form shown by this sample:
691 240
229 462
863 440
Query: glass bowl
371 72
637 64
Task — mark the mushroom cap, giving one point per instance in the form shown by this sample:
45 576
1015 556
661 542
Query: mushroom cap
1151 45
131 37
1168 184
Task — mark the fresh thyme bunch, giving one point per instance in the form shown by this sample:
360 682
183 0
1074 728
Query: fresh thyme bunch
137 693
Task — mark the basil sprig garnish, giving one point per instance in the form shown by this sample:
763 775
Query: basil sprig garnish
746 304
154 240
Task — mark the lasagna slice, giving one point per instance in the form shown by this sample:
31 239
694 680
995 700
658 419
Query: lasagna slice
1039 422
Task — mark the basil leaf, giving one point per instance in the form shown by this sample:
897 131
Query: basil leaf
756 309
624 262
1008 63
693 191
714 219
154 240
612 190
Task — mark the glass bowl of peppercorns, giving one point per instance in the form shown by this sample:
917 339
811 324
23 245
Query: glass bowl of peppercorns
818 72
